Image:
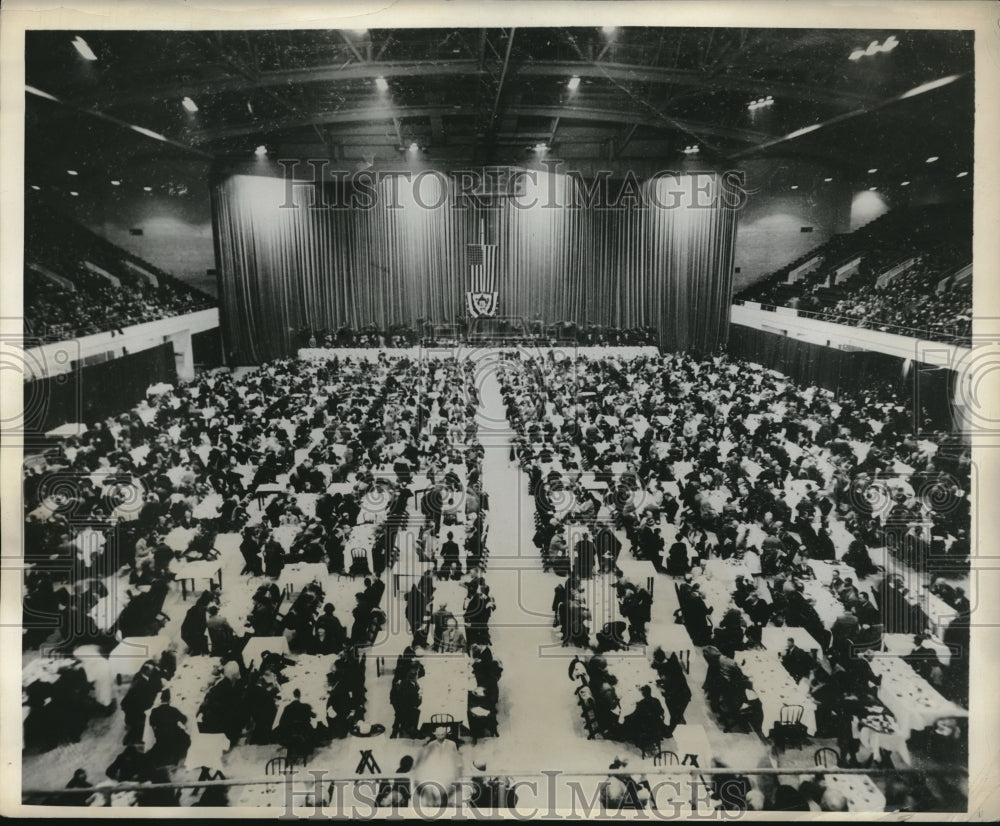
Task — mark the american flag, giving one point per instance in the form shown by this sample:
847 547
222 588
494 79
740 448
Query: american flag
482 268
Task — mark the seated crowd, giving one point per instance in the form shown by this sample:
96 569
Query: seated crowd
294 464
715 465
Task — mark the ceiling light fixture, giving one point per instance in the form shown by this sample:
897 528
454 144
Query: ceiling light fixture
414 147
905 183
541 147
149 133
574 83
31 90
932 159
827 180
147 189
874 48
691 150
805 130
72 172
609 30
872 171
381 84
795 186
927 87
260 151
85 51
74 194
190 105
35 187
760 103
116 183
961 174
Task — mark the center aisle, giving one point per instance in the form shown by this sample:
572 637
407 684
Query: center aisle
540 728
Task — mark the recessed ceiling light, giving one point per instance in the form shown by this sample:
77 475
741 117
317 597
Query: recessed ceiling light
190 105
932 158
905 183
872 171
85 51
795 186
116 183
961 174
71 172
574 83
828 179
381 84
147 189
74 194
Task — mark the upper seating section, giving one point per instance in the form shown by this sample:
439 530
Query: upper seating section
906 272
76 283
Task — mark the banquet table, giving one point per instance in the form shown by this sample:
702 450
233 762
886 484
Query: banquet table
308 675
107 609
301 574
256 646
902 644
632 670
692 742
445 687
775 639
861 793
776 688
194 677
179 538
193 571
127 657
913 701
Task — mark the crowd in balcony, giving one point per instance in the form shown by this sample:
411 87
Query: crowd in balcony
929 298
77 284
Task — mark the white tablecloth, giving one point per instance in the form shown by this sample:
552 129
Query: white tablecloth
775 688
861 793
445 686
912 700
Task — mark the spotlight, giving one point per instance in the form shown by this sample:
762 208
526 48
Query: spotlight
85 51
827 180
74 194
905 183
260 151
574 83
72 172
190 105
116 183
147 189
35 187
932 159
961 174
381 84
872 171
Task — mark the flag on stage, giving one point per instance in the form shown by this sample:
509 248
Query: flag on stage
481 298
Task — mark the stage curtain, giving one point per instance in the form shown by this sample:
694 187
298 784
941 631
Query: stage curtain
663 259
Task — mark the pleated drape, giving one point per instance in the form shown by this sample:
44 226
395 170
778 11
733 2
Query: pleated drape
663 264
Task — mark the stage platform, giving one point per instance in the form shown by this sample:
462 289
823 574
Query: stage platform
476 351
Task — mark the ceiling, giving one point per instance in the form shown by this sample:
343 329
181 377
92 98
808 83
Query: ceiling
490 96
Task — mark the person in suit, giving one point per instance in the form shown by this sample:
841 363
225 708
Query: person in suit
169 729
220 632
295 729
585 552
647 720
138 700
331 632
798 663
451 565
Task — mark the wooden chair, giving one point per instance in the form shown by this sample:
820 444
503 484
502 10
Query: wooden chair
789 729
828 758
666 757
278 765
